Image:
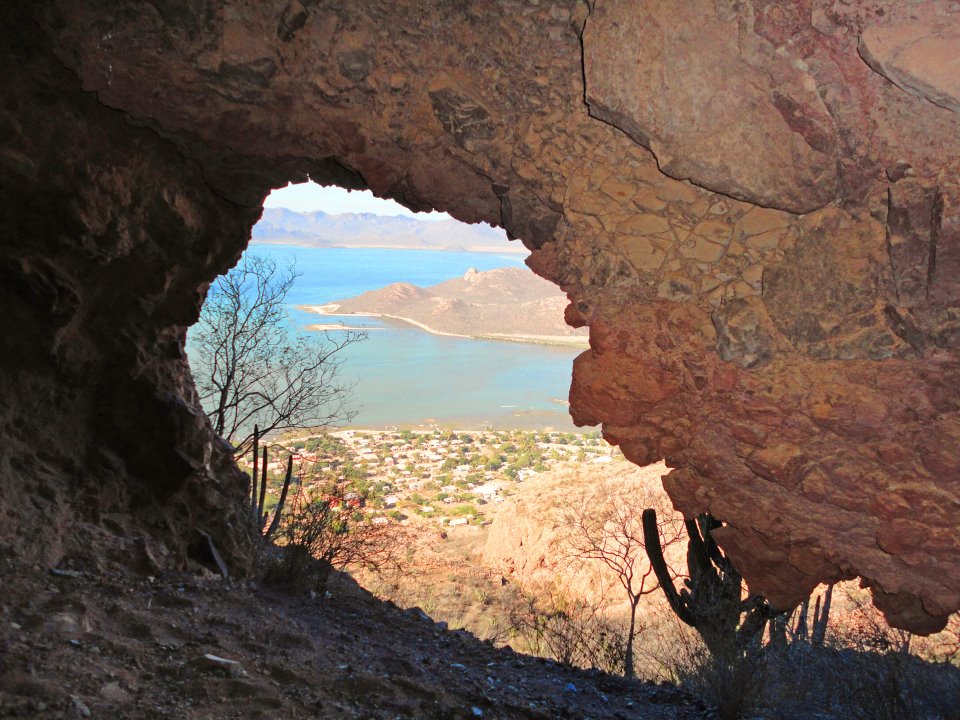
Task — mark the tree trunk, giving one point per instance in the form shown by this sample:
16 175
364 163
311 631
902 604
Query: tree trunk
628 655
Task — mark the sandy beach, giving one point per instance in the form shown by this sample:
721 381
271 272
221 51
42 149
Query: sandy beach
320 327
333 308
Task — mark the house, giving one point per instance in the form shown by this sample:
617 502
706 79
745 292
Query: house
458 521
354 500
489 491
390 501
380 520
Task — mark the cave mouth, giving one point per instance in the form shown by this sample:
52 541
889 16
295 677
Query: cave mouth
455 331
839 345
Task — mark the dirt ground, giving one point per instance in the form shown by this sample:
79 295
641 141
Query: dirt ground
80 642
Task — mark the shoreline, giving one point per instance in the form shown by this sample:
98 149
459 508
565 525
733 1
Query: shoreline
578 342
320 327
427 429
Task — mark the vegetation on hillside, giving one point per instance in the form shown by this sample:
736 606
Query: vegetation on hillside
812 660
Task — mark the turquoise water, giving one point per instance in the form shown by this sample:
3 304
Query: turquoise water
406 377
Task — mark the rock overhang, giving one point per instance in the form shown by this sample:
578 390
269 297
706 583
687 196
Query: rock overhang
759 228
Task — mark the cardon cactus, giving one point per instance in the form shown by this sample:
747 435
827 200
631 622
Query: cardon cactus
711 602
258 490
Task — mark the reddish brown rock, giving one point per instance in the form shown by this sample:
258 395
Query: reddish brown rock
799 371
728 116
919 56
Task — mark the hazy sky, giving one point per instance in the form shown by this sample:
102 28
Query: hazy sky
309 196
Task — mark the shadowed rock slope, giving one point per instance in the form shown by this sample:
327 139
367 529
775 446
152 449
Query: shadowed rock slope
91 644
752 205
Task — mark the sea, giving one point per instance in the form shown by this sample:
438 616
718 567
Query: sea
404 377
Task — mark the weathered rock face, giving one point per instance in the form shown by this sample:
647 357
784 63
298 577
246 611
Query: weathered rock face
753 205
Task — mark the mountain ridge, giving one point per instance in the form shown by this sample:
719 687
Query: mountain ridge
366 230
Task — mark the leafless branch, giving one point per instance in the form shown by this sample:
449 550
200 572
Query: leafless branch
251 367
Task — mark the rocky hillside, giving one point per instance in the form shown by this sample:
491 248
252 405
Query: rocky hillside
85 642
529 538
365 230
507 303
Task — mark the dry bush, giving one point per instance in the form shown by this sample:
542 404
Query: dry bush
325 533
733 687
943 646
605 527
866 671
548 621
249 368
808 681
665 647
674 652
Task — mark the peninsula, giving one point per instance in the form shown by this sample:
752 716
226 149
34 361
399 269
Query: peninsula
502 304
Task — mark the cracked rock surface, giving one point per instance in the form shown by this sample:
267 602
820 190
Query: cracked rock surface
753 206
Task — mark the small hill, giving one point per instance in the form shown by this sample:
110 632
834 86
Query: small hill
528 540
506 303
365 230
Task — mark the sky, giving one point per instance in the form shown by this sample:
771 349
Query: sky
307 197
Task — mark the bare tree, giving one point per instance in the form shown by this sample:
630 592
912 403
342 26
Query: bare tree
251 367
608 529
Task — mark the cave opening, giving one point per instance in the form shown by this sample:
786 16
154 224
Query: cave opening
459 384
456 332
782 326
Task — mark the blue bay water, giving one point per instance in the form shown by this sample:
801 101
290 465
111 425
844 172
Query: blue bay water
406 377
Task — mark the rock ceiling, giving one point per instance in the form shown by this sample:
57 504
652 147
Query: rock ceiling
753 205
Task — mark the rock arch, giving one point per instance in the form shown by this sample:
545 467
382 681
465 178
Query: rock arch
763 236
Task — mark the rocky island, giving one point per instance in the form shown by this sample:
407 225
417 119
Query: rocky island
501 304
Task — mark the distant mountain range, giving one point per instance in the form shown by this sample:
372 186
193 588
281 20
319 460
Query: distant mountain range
365 230
501 304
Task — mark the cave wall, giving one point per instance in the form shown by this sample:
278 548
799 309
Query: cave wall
109 236
753 205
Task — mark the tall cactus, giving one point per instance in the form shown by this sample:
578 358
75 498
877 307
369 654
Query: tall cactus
253 485
258 489
711 601
261 518
283 499
821 616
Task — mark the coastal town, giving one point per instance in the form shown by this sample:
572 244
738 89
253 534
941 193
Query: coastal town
445 478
